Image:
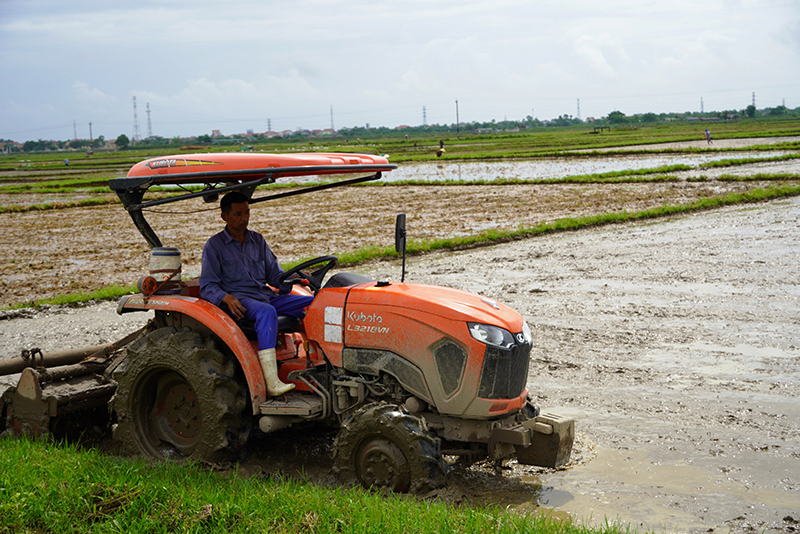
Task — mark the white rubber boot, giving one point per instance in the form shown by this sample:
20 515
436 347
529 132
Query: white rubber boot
269 366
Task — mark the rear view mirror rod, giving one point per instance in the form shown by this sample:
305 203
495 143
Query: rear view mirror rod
400 241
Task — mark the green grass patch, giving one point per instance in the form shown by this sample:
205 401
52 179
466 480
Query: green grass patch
59 205
746 161
760 177
61 185
105 293
63 489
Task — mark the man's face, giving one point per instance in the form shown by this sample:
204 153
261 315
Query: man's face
238 217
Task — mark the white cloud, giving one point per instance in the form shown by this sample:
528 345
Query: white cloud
586 49
89 96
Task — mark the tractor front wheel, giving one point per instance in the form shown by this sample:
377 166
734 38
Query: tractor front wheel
179 397
382 445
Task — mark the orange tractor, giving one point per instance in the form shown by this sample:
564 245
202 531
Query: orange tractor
410 374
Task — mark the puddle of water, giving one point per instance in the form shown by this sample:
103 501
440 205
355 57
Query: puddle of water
618 484
660 493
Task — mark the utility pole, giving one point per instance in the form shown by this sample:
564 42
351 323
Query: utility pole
269 125
701 104
579 109
135 122
458 126
149 126
424 116
74 131
754 99
91 140
332 129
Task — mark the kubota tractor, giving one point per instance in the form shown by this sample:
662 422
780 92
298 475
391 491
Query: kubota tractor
409 373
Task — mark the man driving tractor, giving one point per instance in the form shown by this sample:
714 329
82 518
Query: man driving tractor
238 268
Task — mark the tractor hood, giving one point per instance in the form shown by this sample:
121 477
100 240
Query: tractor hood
444 302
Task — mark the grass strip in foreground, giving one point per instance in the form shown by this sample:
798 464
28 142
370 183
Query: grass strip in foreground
52 488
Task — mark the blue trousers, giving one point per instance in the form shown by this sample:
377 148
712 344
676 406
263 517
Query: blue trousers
265 315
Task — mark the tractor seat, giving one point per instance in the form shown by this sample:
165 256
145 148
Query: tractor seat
286 323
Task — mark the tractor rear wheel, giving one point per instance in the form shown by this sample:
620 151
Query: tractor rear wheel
179 397
382 445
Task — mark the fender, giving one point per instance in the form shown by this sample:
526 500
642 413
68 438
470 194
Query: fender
218 322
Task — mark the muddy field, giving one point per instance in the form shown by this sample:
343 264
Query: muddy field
674 344
47 253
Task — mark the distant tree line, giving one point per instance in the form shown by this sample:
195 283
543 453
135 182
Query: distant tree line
614 118
41 145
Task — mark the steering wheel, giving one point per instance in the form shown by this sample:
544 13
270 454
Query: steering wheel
315 278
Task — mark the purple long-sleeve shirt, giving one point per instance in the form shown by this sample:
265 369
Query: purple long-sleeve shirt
241 269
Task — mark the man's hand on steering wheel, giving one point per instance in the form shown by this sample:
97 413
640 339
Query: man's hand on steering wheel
295 275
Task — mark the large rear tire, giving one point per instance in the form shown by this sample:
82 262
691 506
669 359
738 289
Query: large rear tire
178 397
382 445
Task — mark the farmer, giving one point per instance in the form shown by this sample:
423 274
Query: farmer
708 136
237 266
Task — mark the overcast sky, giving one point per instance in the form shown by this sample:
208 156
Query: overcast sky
243 65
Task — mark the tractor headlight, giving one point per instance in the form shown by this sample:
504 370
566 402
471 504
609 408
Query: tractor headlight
491 335
526 333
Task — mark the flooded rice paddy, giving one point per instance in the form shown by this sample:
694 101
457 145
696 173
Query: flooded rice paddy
556 168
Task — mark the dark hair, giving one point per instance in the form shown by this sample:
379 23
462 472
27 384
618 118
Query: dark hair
234 197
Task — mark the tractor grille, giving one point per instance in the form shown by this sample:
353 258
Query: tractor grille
451 360
505 372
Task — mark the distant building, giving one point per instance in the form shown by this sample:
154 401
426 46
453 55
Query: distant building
10 146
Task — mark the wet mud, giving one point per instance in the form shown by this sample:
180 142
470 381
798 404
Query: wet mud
676 347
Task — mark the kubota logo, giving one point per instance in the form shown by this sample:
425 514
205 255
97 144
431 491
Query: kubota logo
373 320
364 318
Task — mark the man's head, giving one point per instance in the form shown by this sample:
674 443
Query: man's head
236 213
234 197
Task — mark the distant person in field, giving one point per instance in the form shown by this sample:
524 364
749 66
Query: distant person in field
708 136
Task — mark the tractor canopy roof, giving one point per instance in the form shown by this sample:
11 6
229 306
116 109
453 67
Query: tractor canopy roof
222 172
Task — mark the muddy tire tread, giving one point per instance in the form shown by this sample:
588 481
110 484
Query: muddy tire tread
408 432
224 429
